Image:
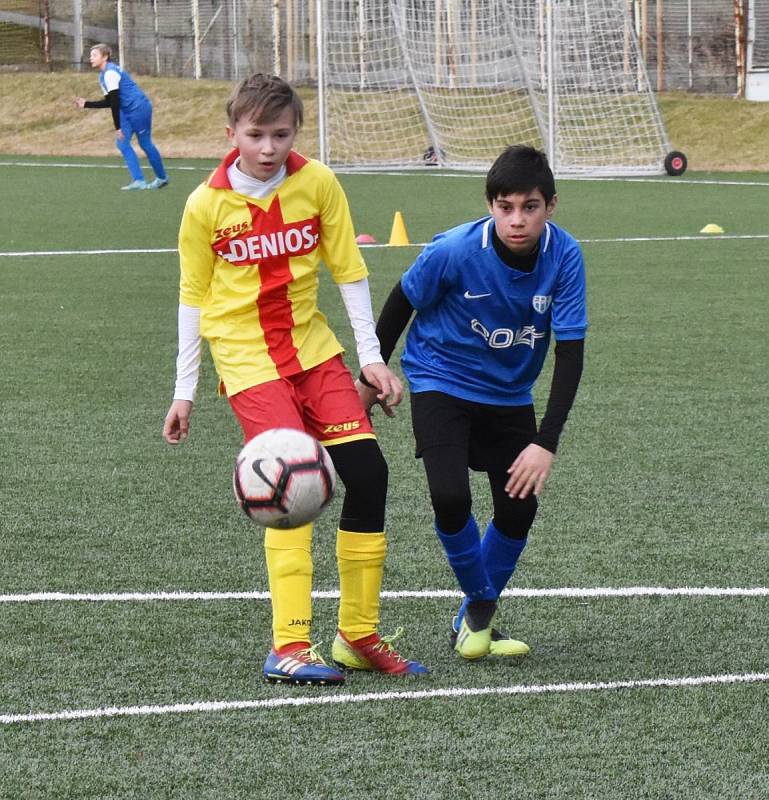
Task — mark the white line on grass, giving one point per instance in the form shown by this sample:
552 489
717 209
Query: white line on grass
97 166
111 252
430 594
144 251
431 172
373 697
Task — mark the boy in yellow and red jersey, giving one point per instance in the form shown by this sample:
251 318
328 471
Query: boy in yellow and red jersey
251 241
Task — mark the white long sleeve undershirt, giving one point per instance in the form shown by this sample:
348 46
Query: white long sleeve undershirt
188 356
357 302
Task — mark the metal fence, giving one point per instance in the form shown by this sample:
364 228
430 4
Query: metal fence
691 45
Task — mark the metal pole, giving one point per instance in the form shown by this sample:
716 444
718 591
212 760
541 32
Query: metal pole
473 42
361 45
289 5
312 38
77 34
437 34
739 37
691 44
120 29
196 37
588 61
235 41
46 32
320 45
276 37
660 45
551 137
156 32
641 56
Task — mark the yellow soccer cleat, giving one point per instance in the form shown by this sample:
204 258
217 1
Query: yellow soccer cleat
505 647
501 644
471 644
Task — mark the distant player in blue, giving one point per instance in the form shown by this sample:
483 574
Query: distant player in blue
131 113
488 295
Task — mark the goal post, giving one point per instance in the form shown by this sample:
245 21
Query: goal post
452 82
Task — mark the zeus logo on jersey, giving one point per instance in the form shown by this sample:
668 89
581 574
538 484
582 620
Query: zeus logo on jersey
267 237
232 230
506 337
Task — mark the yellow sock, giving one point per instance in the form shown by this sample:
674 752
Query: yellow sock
360 557
289 569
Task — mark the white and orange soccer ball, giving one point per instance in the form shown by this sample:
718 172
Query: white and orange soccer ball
283 478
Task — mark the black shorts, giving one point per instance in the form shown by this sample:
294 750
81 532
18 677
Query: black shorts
491 435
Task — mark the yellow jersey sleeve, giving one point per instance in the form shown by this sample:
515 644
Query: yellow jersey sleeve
196 258
338 248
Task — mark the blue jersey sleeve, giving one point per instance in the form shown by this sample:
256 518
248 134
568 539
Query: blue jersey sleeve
427 279
569 312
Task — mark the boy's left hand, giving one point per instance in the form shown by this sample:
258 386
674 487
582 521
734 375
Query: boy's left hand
529 472
388 392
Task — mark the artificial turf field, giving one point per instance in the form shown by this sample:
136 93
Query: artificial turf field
133 617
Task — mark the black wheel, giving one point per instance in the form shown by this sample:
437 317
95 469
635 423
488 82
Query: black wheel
675 163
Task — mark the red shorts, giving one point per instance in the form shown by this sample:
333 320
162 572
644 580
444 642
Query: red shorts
322 401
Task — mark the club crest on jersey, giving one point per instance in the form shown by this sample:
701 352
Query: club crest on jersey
541 302
266 238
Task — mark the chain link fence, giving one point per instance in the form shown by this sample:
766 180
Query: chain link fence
690 45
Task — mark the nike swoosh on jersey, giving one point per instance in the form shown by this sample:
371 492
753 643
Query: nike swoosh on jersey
469 296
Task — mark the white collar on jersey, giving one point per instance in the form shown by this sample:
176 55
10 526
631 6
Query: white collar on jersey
252 187
486 240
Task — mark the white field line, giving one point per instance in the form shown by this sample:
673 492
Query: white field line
112 252
97 166
431 172
151 250
429 594
374 697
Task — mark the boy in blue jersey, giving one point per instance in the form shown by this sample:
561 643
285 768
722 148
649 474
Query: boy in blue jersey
488 295
131 114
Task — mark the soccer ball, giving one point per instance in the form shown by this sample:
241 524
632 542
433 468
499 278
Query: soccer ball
283 478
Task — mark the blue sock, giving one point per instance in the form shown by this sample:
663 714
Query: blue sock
130 158
463 550
500 555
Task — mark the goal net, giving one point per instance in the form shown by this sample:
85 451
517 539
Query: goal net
453 82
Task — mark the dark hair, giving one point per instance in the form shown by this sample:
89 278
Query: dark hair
520 168
263 98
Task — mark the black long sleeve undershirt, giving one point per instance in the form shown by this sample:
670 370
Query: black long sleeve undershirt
110 100
567 370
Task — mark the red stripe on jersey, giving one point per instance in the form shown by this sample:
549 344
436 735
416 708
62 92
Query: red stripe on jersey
275 312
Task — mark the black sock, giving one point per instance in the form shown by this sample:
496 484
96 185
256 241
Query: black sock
479 613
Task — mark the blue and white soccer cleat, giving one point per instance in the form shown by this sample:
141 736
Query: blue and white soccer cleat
135 186
300 665
158 183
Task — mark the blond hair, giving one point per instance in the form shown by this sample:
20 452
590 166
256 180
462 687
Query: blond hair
263 98
104 49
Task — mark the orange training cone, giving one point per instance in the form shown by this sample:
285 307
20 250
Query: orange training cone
398 235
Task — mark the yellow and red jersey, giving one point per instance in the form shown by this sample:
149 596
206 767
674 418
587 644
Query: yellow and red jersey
252 267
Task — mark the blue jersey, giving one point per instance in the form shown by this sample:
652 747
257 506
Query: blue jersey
132 98
482 328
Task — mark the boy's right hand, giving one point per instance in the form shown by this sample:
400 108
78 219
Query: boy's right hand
176 425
